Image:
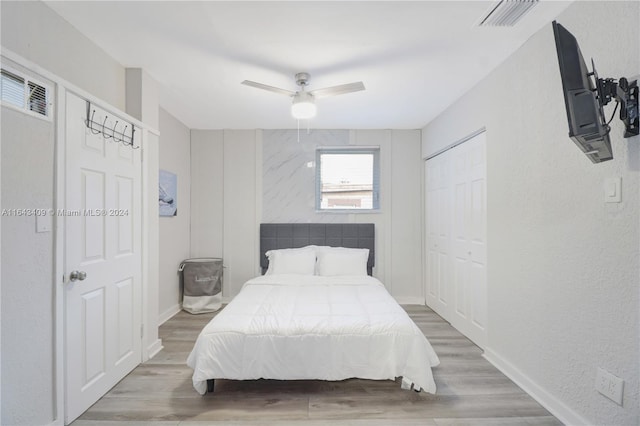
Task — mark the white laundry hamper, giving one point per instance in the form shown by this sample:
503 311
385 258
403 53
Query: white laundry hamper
201 280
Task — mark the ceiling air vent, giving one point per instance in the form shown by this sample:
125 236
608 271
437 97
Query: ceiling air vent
506 13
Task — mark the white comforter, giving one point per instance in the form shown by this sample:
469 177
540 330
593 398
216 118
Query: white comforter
290 327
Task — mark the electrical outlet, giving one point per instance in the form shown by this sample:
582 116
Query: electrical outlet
609 385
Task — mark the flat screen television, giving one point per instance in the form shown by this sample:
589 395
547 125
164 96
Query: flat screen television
587 123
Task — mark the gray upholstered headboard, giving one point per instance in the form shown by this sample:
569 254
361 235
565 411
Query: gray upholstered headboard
293 235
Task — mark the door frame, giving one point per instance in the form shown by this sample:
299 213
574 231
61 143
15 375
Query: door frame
61 87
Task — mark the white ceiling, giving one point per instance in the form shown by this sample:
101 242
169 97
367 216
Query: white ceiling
415 58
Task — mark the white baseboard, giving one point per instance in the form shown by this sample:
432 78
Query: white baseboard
409 300
166 315
556 407
154 348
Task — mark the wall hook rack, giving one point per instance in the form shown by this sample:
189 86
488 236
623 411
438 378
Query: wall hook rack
119 136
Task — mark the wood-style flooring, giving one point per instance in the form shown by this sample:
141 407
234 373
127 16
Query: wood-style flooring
470 391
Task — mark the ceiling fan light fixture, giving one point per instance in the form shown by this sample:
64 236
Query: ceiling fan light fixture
304 103
304 106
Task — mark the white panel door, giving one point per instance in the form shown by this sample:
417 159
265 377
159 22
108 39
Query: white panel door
456 220
468 235
102 240
438 218
477 238
459 276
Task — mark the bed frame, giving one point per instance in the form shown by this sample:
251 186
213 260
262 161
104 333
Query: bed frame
294 235
275 236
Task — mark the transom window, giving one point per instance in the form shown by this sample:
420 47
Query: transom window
348 179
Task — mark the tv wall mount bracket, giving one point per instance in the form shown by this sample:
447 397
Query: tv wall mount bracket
626 94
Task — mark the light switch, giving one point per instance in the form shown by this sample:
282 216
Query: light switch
613 190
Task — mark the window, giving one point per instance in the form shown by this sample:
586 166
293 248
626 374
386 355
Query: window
24 94
347 179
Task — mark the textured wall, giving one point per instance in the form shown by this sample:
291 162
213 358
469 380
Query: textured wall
27 275
34 31
563 270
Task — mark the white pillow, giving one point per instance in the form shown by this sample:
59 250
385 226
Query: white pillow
300 261
341 261
317 250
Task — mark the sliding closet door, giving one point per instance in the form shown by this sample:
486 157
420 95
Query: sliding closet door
461 195
468 236
438 218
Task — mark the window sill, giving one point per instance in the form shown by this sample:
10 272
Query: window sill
350 211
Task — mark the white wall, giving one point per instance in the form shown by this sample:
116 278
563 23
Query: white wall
225 201
27 273
142 97
207 193
37 33
563 272
406 221
241 214
399 224
142 103
151 259
242 178
1 206
174 244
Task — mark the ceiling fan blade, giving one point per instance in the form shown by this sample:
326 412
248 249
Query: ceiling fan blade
269 88
337 90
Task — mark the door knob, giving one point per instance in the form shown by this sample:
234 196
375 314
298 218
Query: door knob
77 276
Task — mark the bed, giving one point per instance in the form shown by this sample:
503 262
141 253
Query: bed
316 313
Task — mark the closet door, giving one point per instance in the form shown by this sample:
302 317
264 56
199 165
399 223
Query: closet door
456 286
438 217
468 239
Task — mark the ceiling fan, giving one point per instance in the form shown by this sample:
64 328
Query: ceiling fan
304 102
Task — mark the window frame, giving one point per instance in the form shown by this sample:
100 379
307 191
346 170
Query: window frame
373 150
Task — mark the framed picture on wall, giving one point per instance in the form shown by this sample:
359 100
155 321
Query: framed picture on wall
167 193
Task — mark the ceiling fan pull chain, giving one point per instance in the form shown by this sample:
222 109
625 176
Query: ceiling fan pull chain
298 121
